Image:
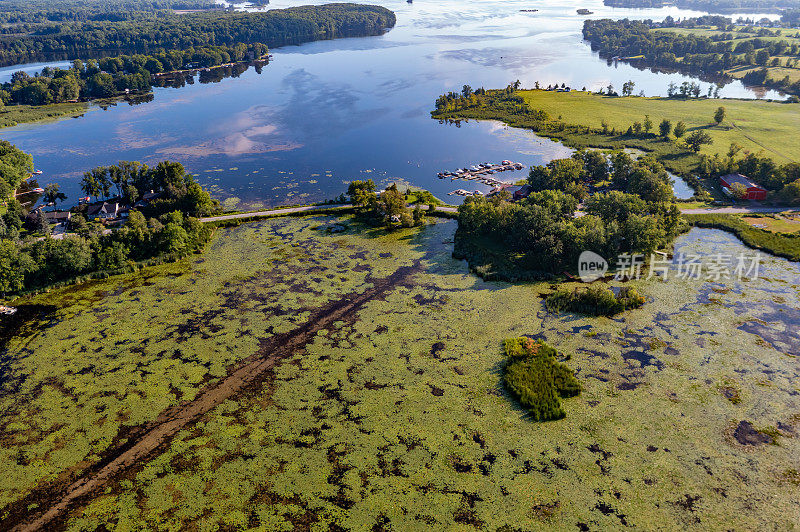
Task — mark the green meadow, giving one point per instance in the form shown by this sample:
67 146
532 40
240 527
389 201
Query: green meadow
758 126
394 416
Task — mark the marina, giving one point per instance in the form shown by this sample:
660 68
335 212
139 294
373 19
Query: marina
483 173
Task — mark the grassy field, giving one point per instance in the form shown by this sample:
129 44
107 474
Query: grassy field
756 125
394 416
774 223
773 235
19 114
776 73
790 36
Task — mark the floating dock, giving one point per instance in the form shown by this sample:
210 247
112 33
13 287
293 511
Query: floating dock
483 173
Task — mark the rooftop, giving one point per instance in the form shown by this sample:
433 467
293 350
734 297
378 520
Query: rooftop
739 178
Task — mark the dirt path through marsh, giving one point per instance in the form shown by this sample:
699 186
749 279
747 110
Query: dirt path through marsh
136 446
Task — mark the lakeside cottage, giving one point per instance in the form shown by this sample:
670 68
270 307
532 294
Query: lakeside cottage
107 211
516 192
523 192
57 217
511 189
754 191
147 197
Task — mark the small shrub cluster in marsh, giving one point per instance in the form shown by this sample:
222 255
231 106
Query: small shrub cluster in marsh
594 301
536 379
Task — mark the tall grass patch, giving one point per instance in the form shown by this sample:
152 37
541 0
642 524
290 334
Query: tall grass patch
594 300
534 377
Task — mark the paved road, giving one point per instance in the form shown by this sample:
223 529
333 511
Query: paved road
277 212
273 212
451 209
738 210
706 210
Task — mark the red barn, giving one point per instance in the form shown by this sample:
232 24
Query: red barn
754 192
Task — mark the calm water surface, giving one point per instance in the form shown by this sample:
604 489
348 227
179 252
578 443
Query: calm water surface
325 113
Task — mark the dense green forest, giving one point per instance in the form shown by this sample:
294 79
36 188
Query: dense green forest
166 229
115 75
167 31
15 167
539 237
641 42
712 6
22 13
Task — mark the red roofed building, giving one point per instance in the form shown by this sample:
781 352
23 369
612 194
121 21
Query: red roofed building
754 191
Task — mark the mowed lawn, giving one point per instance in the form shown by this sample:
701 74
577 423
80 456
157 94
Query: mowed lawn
771 127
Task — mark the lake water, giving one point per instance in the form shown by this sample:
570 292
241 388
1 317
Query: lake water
325 113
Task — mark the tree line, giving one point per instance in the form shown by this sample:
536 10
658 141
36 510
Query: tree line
15 167
112 76
711 6
14 13
165 229
783 181
295 25
693 53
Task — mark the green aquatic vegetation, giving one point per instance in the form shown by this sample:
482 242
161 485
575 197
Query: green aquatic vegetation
121 350
792 476
534 377
594 300
731 392
396 416
13 115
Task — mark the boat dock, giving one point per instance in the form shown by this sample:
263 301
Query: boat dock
462 192
483 173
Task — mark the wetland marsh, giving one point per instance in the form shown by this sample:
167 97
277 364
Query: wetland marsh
378 399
